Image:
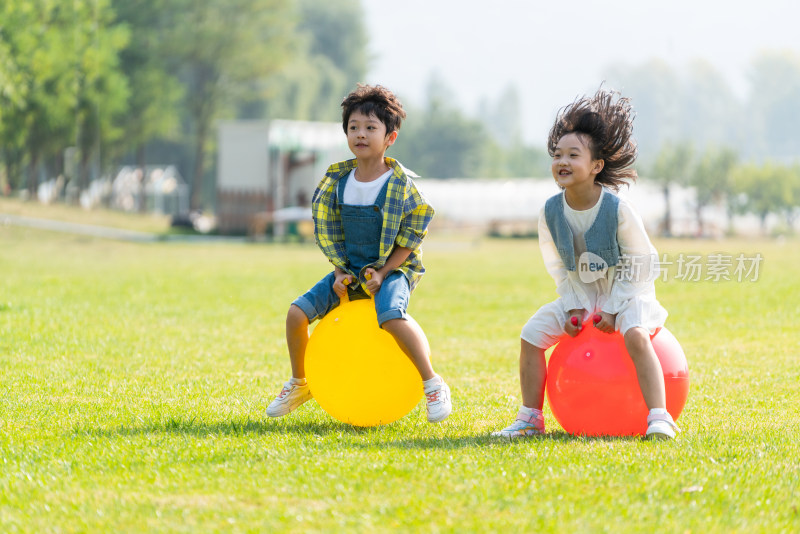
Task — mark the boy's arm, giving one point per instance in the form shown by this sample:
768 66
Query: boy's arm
417 215
328 232
396 259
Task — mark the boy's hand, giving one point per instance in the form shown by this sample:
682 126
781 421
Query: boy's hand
604 322
573 326
340 284
374 279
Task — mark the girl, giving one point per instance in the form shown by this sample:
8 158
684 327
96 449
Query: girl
595 247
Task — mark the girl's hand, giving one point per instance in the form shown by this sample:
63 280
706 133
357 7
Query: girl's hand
573 326
604 322
374 280
340 284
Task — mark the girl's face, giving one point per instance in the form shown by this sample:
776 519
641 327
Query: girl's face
367 137
573 165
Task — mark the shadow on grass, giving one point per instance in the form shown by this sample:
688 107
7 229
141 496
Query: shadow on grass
391 436
487 440
231 427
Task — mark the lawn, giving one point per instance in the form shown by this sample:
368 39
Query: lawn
134 378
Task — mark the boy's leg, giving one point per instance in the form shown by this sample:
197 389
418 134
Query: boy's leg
391 302
315 303
297 339
412 341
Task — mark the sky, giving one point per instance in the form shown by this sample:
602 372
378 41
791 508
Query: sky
554 51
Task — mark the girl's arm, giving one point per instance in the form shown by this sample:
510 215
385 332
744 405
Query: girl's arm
555 266
638 267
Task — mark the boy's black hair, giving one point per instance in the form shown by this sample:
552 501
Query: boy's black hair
377 100
605 122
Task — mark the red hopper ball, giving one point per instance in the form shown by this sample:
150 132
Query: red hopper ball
592 386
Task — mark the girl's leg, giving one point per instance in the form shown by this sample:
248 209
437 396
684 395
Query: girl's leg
648 368
532 375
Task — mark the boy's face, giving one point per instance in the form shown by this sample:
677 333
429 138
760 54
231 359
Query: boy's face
367 137
572 162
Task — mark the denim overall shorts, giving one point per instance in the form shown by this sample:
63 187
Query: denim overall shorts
362 227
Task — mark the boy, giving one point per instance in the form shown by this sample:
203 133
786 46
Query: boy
369 221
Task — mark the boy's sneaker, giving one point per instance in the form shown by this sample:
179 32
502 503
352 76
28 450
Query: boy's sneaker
438 404
661 426
291 396
526 424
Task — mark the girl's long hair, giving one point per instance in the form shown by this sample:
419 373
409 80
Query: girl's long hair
605 122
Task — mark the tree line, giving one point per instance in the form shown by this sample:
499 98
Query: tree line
718 176
87 85
738 151
145 80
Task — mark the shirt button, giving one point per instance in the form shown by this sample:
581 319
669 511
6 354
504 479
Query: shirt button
376 208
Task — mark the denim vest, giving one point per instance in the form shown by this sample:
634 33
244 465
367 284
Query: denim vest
601 237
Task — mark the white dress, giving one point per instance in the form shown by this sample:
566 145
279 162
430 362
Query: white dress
626 290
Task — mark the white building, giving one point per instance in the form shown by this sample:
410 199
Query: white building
266 167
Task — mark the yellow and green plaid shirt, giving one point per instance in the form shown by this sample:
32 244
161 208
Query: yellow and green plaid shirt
406 215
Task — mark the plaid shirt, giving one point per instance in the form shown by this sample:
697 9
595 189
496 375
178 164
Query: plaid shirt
406 215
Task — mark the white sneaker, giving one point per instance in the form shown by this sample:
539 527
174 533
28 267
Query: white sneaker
290 397
438 404
523 426
661 426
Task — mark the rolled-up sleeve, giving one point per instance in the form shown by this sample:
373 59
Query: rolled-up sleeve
417 215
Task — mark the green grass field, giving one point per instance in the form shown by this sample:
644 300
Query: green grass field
134 378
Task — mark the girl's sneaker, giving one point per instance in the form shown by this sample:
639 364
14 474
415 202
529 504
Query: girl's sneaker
528 423
291 396
661 426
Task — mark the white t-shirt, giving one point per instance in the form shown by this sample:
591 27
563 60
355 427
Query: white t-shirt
363 193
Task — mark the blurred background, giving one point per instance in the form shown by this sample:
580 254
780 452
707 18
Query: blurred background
224 114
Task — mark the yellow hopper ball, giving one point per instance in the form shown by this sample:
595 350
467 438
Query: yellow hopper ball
356 370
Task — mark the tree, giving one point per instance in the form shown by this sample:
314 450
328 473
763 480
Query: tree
39 120
328 56
101 88
710 114
155 91
711 179
221 48
13 94
765 189
774 105
440 141
66 87
503 118
671 165
657 94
